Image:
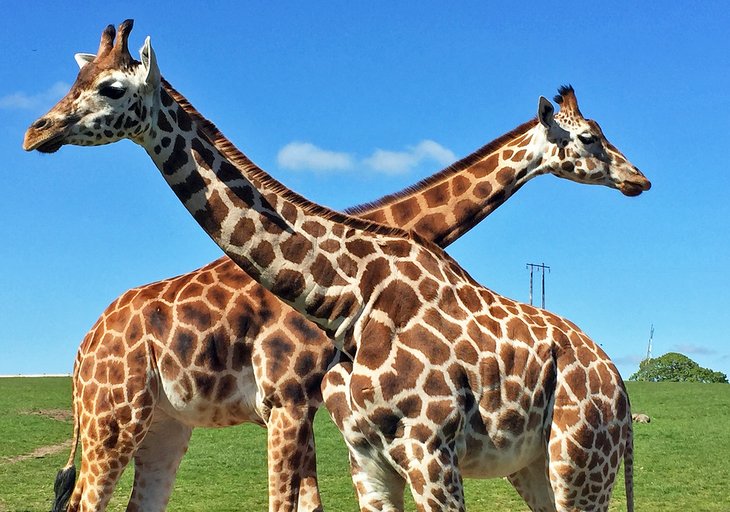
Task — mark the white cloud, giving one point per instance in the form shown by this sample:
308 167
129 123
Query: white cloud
398 162
627 359
304 155
431 150
690 348
390 162
25 101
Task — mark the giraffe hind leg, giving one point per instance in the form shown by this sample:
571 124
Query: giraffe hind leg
156 461
533 484
583 462
113 421
101 467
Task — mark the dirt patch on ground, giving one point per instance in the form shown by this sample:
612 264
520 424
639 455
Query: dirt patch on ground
38 453
55 414
64 415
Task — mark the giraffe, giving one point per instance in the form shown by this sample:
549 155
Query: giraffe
225 299
345 273
216 322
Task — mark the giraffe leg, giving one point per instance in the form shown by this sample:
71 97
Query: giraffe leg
434 477
107 447
94 490
292 462
309 498
533 484
377 484
115 408
156 461
583 461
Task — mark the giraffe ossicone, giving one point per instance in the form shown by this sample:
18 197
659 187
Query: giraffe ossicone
448 378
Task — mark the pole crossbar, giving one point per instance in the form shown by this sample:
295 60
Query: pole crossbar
540 267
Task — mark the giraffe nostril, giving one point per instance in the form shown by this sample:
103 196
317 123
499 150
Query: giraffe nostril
41 123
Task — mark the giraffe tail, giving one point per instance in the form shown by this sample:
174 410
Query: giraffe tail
66 478
63 487
629 469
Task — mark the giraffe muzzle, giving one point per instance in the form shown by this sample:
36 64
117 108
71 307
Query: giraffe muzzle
635 187
42 136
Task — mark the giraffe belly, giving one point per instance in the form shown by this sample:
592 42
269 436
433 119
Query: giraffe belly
499 441
215 400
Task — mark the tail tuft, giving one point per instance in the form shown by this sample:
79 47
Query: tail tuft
64 486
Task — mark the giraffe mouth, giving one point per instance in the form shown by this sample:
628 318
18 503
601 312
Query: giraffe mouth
44 145
632 189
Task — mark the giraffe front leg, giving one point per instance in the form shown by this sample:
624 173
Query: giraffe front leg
377 484
309 499
433 474
156 462
291 459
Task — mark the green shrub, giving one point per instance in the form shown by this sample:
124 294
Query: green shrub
674 367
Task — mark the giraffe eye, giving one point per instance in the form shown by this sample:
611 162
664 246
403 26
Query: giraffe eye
587 139
111 91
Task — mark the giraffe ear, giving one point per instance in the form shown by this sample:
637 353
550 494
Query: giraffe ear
82 59
545 111
149 63
556 134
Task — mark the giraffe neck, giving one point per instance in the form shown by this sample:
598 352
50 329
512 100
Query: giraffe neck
304 253
446 205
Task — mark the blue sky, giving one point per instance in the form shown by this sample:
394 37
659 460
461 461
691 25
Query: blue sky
345 102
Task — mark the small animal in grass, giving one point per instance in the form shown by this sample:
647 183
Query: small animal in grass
640 418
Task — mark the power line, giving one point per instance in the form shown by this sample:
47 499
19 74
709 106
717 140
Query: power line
541 267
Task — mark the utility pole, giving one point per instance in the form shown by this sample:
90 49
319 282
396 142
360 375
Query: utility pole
541 267
651 339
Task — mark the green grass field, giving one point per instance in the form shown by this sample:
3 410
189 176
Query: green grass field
682 456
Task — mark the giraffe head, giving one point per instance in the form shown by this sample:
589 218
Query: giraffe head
111 99
577 149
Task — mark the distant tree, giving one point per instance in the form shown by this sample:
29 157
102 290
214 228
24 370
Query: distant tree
674 367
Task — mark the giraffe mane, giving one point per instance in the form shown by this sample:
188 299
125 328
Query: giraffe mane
210 131
445 173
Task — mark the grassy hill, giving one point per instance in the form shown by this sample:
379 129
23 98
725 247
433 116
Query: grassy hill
682 456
